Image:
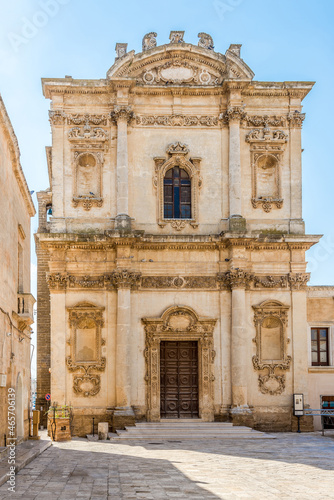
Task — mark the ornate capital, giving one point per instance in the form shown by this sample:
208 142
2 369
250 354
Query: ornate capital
56 281
236 278
296 119
57 117
298 281
149 41
124 113
234 113
123 278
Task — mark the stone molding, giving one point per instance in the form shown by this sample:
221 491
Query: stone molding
124 113
177 153
271 382
179 323
86 316
176 120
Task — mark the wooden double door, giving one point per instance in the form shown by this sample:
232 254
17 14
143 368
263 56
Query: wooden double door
179 379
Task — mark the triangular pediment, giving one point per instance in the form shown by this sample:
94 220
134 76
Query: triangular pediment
189 65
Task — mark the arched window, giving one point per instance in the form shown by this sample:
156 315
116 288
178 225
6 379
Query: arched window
177 194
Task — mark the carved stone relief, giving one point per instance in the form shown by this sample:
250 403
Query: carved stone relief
180 282
179 323
149 41
85 342
179 71
176 36
122 113
271 320
205 41
177 121
177 153
236 113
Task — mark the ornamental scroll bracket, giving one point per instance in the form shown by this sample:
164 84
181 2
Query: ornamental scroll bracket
177 157
271 321
179 323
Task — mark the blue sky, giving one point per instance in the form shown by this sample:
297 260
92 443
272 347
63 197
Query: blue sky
285 40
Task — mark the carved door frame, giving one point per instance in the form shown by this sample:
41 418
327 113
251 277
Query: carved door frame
180 323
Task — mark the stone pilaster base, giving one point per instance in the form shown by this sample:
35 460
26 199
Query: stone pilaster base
237 224
123 222
123 416
242 415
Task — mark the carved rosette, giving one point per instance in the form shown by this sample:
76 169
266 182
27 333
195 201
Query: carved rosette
122 113
236 278
179 323
124 278
298 281
272 382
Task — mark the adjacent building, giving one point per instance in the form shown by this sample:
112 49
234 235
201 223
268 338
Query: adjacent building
172 277
16 301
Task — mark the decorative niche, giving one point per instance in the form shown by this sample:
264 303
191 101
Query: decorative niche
86 345
266 149
189 170
271 320
88 148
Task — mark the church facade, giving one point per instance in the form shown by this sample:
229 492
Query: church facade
172 277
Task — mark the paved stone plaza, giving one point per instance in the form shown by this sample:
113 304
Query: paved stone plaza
291 467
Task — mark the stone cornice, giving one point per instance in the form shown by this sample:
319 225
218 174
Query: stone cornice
14 150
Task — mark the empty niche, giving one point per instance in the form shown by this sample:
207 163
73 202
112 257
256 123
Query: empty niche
271 339
86 341
88 176
267 178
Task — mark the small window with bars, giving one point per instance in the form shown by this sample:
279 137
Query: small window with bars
177 194
319 347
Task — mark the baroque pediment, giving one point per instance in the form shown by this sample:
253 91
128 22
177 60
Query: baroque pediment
172 65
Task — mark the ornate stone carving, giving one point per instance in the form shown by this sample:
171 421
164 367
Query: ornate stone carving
298 281
177 121
121 50
296 119
86 119
86 282
86 385
87 202
176 36
179 282
271 316
56 281
149 41
57 117
88 177
205 41
258 135
233 113
236 278
87 133
179 323
122 113
177 153
264 121
85 348
266 203
124 278
270 281
178 71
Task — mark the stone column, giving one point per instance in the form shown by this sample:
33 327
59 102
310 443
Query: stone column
122 115
225 325
233 116
237 280
123 280
58 343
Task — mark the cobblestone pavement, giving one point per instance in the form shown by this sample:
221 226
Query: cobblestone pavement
290 467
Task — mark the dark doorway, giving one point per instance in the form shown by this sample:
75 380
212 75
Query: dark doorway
179 379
